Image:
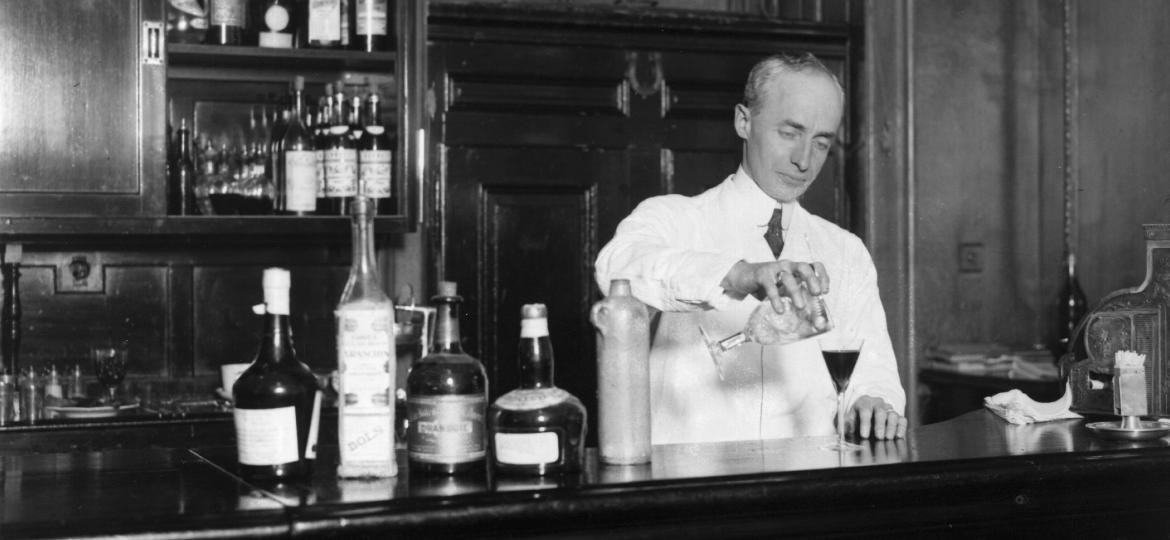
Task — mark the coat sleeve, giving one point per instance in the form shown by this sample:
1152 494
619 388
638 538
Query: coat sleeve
655 248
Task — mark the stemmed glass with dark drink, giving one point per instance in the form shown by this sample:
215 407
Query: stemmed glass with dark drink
840 353
109 363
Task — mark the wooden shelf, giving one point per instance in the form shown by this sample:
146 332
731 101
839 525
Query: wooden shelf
194 229
186 55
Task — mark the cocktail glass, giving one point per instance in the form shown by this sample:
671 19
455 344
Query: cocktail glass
841 353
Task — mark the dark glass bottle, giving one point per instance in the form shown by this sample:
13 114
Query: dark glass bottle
341 158
227 22
538 428
274 162
447 399
1071 307
321 137
370 20
375 156
277 400
300 158
181 192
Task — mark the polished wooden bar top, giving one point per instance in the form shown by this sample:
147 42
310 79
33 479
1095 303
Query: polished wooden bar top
976 474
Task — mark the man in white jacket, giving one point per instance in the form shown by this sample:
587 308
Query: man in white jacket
704 261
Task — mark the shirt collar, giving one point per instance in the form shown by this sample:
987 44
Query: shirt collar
755 205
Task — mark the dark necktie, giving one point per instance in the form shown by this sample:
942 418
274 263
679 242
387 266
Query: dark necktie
775 233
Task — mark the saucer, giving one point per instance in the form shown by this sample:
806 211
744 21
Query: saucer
1146 430
102 411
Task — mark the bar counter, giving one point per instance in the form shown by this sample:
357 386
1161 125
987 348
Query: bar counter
974 475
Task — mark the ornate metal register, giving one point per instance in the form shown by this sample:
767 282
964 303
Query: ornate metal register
1128 319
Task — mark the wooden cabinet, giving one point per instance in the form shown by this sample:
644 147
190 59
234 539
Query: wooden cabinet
551 127
89 89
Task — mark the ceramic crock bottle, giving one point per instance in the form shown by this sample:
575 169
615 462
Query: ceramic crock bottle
623 376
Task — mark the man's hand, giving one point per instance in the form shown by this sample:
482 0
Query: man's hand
872 412
772 280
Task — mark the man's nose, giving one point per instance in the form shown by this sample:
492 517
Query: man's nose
802 156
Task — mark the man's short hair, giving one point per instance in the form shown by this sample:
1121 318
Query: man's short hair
766 69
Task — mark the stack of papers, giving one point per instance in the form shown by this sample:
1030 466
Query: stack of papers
993 359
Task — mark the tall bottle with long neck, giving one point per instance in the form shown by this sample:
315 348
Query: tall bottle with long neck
300 158
277 401
447 399
537 429
1071 306
365 360
341 158
375 154
181 192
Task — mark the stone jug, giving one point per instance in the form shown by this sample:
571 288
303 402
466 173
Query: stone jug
623 376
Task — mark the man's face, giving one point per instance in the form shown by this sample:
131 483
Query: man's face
790 134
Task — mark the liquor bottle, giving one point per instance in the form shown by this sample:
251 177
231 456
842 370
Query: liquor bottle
365 360
277 24
227 20
375 154
341 158
446 399
274 161
181 191
538 428
277 400
321 136
323 22
623 376
370 25
300 158
1071 307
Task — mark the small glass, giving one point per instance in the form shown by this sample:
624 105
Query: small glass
768 327
109 363
840 353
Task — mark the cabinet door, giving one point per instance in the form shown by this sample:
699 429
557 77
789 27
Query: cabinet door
79 136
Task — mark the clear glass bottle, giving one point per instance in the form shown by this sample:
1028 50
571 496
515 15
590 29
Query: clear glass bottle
375 154
300 159
446 399
341 158
366 362
538 428
277 400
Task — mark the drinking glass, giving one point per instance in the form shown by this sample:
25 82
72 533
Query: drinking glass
767 327
840 353
110 365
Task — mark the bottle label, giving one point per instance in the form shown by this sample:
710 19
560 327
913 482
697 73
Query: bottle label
324 20
276 17
300 172
320 173
532 399
528 448
227 12
366 437
366 358
374 172
340 172
371 17
446 429
314 427
266 436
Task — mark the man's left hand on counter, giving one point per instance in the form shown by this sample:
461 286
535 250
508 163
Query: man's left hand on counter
874 416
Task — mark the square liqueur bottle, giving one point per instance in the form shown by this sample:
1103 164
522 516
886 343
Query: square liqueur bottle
365 361
447 399
537 429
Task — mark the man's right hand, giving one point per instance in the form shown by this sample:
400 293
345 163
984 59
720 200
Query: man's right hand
773 280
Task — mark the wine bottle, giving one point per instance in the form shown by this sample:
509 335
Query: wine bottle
341 158
300 158
321 137
277 400
181 192
227 22
278 24
1071 305
323 22
370 25
446 399
537 429
365 360
375 154
274 160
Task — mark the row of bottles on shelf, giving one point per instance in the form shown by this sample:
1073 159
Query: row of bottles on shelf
299 160
537 429
363 25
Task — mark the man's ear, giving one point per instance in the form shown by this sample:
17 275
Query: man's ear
743 120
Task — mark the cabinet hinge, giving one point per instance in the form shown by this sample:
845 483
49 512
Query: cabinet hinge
152 43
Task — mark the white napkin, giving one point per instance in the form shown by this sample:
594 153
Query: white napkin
1016 407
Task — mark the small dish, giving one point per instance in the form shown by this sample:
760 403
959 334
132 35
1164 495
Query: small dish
1144 431
102 411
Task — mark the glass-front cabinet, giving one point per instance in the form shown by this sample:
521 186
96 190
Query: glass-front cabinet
96 94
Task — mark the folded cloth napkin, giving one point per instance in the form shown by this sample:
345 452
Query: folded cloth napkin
1016 407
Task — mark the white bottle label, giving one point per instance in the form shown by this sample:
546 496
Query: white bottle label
371 17
375 173
276 17
366 438
226 12
527 448
341 172
266 436
320 173
366 357
447 429
530 399
314 428
324 20
300 172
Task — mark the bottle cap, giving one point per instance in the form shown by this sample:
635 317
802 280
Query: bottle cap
276 284
299 82
533 321
447 288
619 287
534 311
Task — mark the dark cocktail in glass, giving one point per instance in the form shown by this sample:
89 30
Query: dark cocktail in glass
841 353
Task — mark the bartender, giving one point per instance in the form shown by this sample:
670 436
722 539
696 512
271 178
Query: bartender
707 261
